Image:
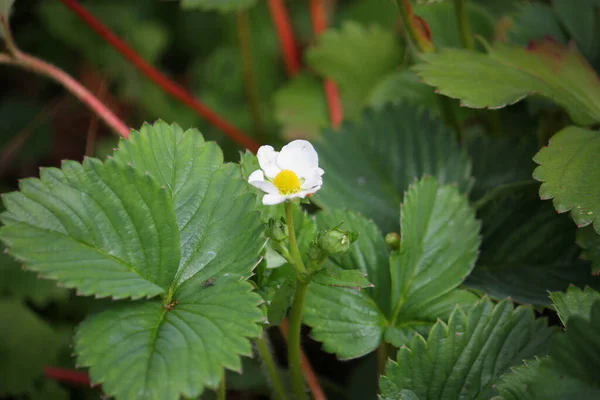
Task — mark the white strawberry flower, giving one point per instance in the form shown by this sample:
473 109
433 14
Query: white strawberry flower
291 173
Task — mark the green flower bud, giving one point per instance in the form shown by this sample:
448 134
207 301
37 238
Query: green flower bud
337 240
393 240
277 230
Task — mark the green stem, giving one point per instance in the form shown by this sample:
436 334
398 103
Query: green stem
464 25
423 43
222 391
264 351
294 354
382 357
293 244
450 117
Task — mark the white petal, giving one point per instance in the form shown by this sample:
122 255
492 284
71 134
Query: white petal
272 199
257 179
312 182
320 171
298 156
267 157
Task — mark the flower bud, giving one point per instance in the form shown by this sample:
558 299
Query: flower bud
277 229
337 240
393 240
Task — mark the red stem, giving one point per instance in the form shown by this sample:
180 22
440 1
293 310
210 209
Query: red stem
289 47
319 21
160 79
67 375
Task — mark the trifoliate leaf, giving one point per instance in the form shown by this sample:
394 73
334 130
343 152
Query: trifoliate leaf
582 22
464 358
218 5
442 21
534 21
370 164
577 351
570 172
508 73
589 240
527 248
301 108
537 379
25 285
164 216
83 226
27 345
420 285
356 58
574 302
145 350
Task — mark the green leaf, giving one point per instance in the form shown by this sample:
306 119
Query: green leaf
589 241
577 351
301 107
218 5
508 74
442 21
582 22
27 345
25 285
338 277
83 226
464 358
570 172
536 379
527 249
574 302
356 58
369 164
143 350
420 285
279 300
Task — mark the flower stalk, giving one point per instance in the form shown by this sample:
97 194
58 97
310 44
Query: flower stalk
464 25
264 351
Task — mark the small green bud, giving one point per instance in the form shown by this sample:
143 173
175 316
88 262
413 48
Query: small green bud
393 240
277 230
337 240
315 253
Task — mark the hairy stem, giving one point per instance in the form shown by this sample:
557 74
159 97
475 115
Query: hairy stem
67 375
464 25
298 263
222 390
287 40
160 79
244 35
294 357
264 351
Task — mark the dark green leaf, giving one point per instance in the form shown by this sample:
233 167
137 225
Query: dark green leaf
370 164
535 21
589 240
570 172
574 302
463 359
582 22
527 249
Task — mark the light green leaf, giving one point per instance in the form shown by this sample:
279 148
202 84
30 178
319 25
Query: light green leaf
338 277
577 351
508 73
83 226
463 359
537 379
145 351
301 107
421 286
27 345
570 172
212 206
574 302
582 22
441 19
527 249
356 58
589 240
370 164
218 5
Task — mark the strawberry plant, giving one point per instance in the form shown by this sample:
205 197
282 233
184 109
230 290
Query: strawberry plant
323 199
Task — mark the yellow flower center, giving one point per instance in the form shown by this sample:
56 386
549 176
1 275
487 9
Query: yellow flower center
287 182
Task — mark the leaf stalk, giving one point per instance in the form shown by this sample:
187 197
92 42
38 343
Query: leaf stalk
275 381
